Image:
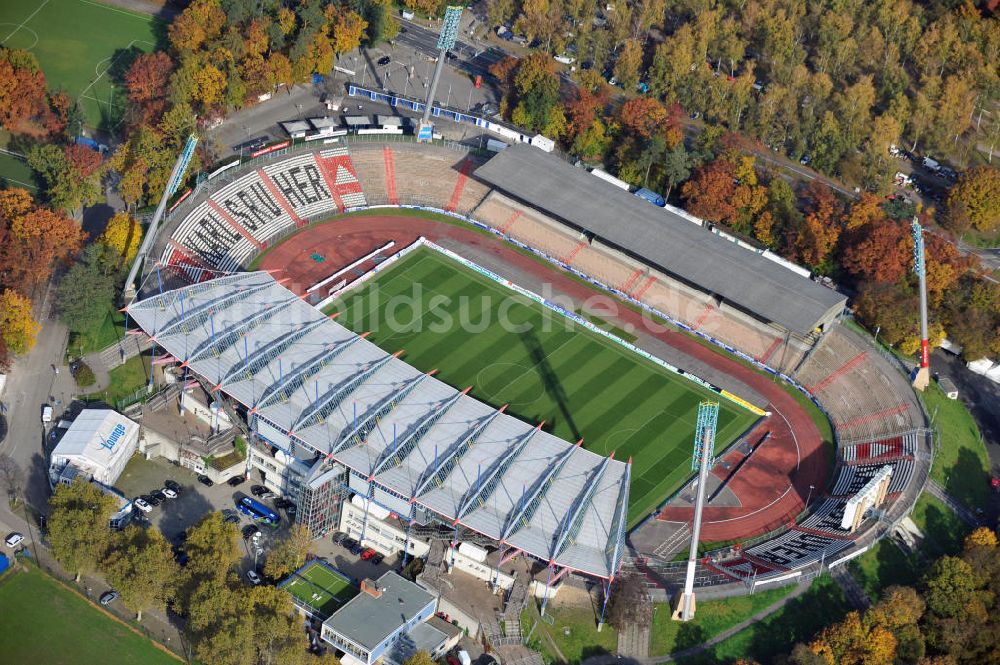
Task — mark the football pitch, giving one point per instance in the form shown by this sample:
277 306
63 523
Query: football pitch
82 47
320 588
514 351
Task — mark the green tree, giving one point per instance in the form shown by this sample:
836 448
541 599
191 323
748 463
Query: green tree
86 294
975 200
78 525
419 658
289 553
142 568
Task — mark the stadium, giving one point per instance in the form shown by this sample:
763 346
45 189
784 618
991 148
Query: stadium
568 440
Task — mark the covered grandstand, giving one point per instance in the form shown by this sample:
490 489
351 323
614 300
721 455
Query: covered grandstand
663 239
409 442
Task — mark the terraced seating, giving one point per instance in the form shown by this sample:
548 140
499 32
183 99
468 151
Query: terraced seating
885 449
827 518
426 177
795 549
369 163
302 184
853 477
249 202
211 239
341 176
742 568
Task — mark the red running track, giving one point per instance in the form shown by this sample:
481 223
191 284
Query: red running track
772 486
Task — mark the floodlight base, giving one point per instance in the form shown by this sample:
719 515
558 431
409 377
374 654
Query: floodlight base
683 600
922 378
425 132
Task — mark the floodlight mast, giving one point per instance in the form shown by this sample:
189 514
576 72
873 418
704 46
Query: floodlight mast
446 40
708 415
921 378
172 185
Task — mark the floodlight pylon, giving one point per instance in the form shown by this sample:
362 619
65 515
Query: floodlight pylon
921 376
702 461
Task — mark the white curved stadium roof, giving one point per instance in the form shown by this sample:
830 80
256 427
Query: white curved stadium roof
309 381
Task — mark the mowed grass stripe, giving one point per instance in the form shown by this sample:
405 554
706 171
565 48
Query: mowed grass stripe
616 399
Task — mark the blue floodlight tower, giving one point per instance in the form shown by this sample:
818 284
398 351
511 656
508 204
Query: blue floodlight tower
449 32
922 375
701 461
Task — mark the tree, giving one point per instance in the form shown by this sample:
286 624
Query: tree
141 567
17 325
419 658
72 178
209 85
628 64
981 537
949 588
122 235
23 99
10 477
78 525
709 194
629 603
201 22
820 230
880 251
147 83
975 200
86 294
676 167
348 30
289 553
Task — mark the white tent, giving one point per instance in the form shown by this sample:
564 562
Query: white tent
98 444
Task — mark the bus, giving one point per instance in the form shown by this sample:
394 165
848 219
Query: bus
257 511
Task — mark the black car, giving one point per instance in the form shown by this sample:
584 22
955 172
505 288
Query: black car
377 559
348 543
338 537
172 484
151 499
384 60
158 493
450 56
109 597
253 144
259 490
231 519
236 481
205 480
249 530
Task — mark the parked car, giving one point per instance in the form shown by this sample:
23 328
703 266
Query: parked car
109 597
169 493
450 56
356 549
46 413
14 539
151 499
253 577
258 490
378 558
205 480
291 509
338 537
231 519
255 143
384 60
249 530
173 484
268 495
159 494
142 505
348 543
236 481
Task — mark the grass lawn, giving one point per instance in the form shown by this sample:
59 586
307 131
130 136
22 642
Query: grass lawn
886 565
44 622
83 47
319 587
514 351
711 618
822 604
573 633
107 333
15 172
962 466
125 380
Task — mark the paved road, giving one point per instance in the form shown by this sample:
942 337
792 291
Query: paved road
31 383
856 596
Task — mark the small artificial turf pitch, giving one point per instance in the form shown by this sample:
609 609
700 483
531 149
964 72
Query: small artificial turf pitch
320 588
41 621
448 317
83 47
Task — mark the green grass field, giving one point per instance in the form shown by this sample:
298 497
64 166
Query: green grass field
962 466
44 622
83 48
15 172
320 588
448 317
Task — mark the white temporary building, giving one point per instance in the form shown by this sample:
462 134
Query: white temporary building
98 445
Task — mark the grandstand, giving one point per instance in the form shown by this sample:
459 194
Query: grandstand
313 388
771 317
